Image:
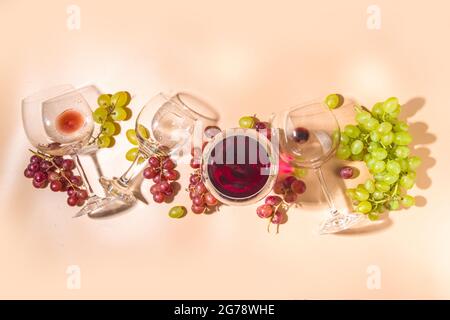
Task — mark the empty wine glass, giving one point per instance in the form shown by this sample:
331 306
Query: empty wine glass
311 137
58 121
172 122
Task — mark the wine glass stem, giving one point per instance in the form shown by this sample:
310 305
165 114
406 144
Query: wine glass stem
325 190
133 170
82 173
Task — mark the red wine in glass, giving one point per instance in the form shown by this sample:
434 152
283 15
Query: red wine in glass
238 167
69 121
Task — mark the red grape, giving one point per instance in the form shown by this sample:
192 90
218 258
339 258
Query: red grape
55 185
33 167
168 164
198 201
150 173
155 189
210 200
80 202
261 125
158 178
192 194
171 174
200 188
82 194
169 192
194 179
35 159
45 165
72 201
278 188
211 131
71 191
346 172
28 173
273 200
198 209
58 161
264 211
68 164
288 181
163 186
76 180
277 217
158 197
298 186
300 135
195 163
53 176
154 162
68 173
40 176
290 197
40 185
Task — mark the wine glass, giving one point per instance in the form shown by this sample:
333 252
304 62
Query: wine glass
311 135
165 126
58 121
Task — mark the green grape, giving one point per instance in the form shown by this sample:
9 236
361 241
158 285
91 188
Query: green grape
384 128
141 160
369 185
373 216
177 212
247 122
402 152
372 146
345 139
357 147
403 164
378 195
120 99
390 178
412 175
336 136
343 152
371 124
100 115
364 207
387 138
358 157
300 172
393 167
367 157
131 136
352 131
401 126
332 101
351 193
406 182
408 201
119 114
108 128
363 116
104 100
377 109
132 154
394 205
375 136
371 163
414 162
394 114
104 141
382 186
390 105
380 209
379 166
361 194
379 153
402 138
143 132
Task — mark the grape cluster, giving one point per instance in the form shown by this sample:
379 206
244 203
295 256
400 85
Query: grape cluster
275 206
111 109
57 173
132 138
202 200
252 122
162 171
381 140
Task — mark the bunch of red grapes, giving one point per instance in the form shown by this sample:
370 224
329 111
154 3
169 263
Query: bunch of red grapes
57 173
202 200
276 206
162 170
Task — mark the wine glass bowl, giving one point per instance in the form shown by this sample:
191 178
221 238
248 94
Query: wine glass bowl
239 166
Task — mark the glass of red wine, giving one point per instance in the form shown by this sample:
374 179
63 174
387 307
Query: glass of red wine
165 126
58 122
311 135
240 166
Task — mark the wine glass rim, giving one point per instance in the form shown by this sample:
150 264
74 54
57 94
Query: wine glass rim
41 94
214 117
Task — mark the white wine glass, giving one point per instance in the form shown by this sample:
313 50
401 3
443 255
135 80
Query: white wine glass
58 122
311 135
166 125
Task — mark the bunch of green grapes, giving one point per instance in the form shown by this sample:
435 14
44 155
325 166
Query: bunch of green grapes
381 140
132 138
111 109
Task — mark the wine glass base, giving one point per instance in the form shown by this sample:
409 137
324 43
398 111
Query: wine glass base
114 188
96 206
337 221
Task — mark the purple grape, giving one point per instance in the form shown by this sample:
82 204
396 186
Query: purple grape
346 172
300 135
35 159
33 167
211 131
40 176
45 165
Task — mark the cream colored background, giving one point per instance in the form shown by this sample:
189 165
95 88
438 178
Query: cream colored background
242 57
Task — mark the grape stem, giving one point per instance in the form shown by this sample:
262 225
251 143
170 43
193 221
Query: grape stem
110 110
